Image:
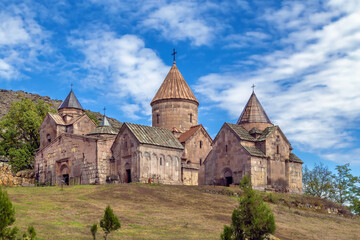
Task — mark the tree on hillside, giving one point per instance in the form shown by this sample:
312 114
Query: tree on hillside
19 132
318 181
110 222
93 231
252 219
7 217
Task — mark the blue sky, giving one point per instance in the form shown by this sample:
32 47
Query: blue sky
303 57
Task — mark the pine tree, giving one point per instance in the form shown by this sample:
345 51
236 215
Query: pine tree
252 219
110 222
7 217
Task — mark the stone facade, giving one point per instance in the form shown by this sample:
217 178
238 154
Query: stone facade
257 148
181 114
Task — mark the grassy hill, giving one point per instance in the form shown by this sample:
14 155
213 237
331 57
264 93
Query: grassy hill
160 212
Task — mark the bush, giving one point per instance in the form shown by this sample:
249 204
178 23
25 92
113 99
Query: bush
93 230
110 222
253 219
7 217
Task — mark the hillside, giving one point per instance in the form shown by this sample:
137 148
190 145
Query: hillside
160 212
8 96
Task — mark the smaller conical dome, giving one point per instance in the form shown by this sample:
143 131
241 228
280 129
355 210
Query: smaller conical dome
71 102
174 87
104 127
253 112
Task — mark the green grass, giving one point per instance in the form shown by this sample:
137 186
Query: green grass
148 211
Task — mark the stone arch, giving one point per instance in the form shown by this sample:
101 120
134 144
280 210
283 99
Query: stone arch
228 176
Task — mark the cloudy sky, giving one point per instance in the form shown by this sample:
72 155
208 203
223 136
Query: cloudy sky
303 56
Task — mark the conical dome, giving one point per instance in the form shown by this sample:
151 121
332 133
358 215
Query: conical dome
174 87
253 112
71 102
104 127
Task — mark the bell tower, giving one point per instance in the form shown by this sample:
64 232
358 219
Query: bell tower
174 106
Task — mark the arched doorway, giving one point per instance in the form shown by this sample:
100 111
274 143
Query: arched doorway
64 172
228 177
128 173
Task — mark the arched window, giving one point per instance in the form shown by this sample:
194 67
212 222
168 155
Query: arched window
277 149
191 117
48 137
161 162
200 144
226 148
200 161
157 118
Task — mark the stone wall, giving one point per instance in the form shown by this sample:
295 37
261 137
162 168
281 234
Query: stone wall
22 178
143 162
227 159
104 158
68 154
181 114
190 175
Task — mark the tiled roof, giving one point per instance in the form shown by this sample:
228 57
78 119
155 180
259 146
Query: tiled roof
241 132
104 127
265 134
294 158
174 87
57 118
253 151
186 135
71 102
103 130
154 135
253 112
255 130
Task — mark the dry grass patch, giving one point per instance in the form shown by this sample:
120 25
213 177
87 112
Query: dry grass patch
157 212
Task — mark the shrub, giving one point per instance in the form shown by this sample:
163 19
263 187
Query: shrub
7 217
93 230
110 222
252 219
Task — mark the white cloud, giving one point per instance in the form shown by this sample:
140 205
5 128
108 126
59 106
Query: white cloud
122 67
310 85
22 40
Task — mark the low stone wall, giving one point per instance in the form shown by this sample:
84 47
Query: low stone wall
22 178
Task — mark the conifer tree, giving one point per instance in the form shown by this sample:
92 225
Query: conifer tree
93 230
7 217
110 222
252 219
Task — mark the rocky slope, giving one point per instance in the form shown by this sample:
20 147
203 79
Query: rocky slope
8 96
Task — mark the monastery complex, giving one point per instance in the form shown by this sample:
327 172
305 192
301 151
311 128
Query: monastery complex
176 149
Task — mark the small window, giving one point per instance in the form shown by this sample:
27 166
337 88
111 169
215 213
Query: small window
226 148
200 161
200 144
48 137
191 117
277 149
161 161
157 118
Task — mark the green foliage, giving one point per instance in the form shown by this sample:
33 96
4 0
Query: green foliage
93 230
344 184
252 219
318 181
92 116
110 222
30 234
7 217
19 131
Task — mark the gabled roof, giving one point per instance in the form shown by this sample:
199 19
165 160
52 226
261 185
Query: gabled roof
253 151
294 158
189 133
153 135
266 133
71 102
57 118
253 112
174 87
241 132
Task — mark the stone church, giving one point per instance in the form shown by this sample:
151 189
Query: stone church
176 149
171 151
254 147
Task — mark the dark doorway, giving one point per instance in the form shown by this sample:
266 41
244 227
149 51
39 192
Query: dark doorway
128 175
66 179
229 181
